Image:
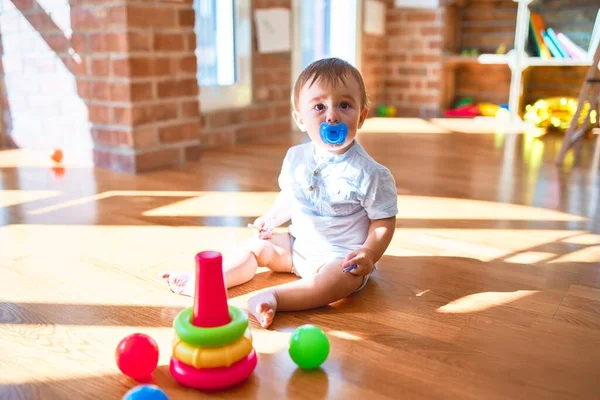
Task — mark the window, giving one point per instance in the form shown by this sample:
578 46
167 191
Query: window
223 51
325 28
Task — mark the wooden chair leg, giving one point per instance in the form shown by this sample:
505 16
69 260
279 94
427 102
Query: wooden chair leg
569 138
577 137
596 160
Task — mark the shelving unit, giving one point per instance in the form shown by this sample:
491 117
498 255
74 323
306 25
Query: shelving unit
517 59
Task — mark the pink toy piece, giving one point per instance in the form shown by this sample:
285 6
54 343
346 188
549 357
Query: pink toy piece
210 299
213 378
468 111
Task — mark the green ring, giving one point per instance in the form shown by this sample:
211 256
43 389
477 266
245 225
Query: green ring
211 337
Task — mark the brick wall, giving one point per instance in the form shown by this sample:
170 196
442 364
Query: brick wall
373 70
141 86
270 112
485 24
483 83
413 61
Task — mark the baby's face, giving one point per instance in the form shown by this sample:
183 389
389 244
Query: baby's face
333 104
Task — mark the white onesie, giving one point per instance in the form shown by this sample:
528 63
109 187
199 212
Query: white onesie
333 200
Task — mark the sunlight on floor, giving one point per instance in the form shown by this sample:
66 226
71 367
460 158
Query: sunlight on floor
242 204
586 239
69 351
74 260
270 341
344 335
529 257
249 204
426 207
115 193
480 244
13 197
480 125
586 255
482 301
400 126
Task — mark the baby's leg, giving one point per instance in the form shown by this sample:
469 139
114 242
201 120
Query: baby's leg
327 286
239 267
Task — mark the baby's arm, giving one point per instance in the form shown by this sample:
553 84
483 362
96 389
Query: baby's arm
279 213
281 210
379 237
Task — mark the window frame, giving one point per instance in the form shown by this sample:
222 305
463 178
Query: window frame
297 45
220 97
297 41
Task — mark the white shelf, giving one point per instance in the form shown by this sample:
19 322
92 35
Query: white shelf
556 62
455 59
507 59
521 60
517 60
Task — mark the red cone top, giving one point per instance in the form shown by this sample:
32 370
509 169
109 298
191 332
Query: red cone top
210 299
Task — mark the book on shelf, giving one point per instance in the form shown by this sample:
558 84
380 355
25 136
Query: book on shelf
536 24
557 44
556 53
576 52
547 43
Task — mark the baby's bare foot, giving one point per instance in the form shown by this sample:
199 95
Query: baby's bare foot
180 282
263 307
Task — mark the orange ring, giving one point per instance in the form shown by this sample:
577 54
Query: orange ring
212 357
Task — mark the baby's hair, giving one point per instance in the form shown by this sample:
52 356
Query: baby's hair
332 71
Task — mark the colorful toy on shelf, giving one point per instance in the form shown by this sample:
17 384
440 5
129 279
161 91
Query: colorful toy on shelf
463 108
467 111
466 108
212 347
463 101
387 111
309 346
137 356
145 392
469 52
554 112
488 109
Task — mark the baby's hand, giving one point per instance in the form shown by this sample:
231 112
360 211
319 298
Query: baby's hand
264 226
363 258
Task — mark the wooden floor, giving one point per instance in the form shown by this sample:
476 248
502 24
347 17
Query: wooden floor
490 289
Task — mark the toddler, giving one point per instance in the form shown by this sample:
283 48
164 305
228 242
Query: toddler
342 204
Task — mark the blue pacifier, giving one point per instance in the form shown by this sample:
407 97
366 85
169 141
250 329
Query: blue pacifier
333 134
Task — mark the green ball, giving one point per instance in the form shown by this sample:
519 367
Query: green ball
309 346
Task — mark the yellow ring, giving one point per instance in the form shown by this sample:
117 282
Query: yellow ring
212 357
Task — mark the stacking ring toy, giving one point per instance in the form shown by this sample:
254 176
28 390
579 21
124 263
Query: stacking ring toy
211 337
213 378
212 357
333 134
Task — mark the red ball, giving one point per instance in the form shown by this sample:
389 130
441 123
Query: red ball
137 356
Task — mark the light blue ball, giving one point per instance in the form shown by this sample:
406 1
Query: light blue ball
145 392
